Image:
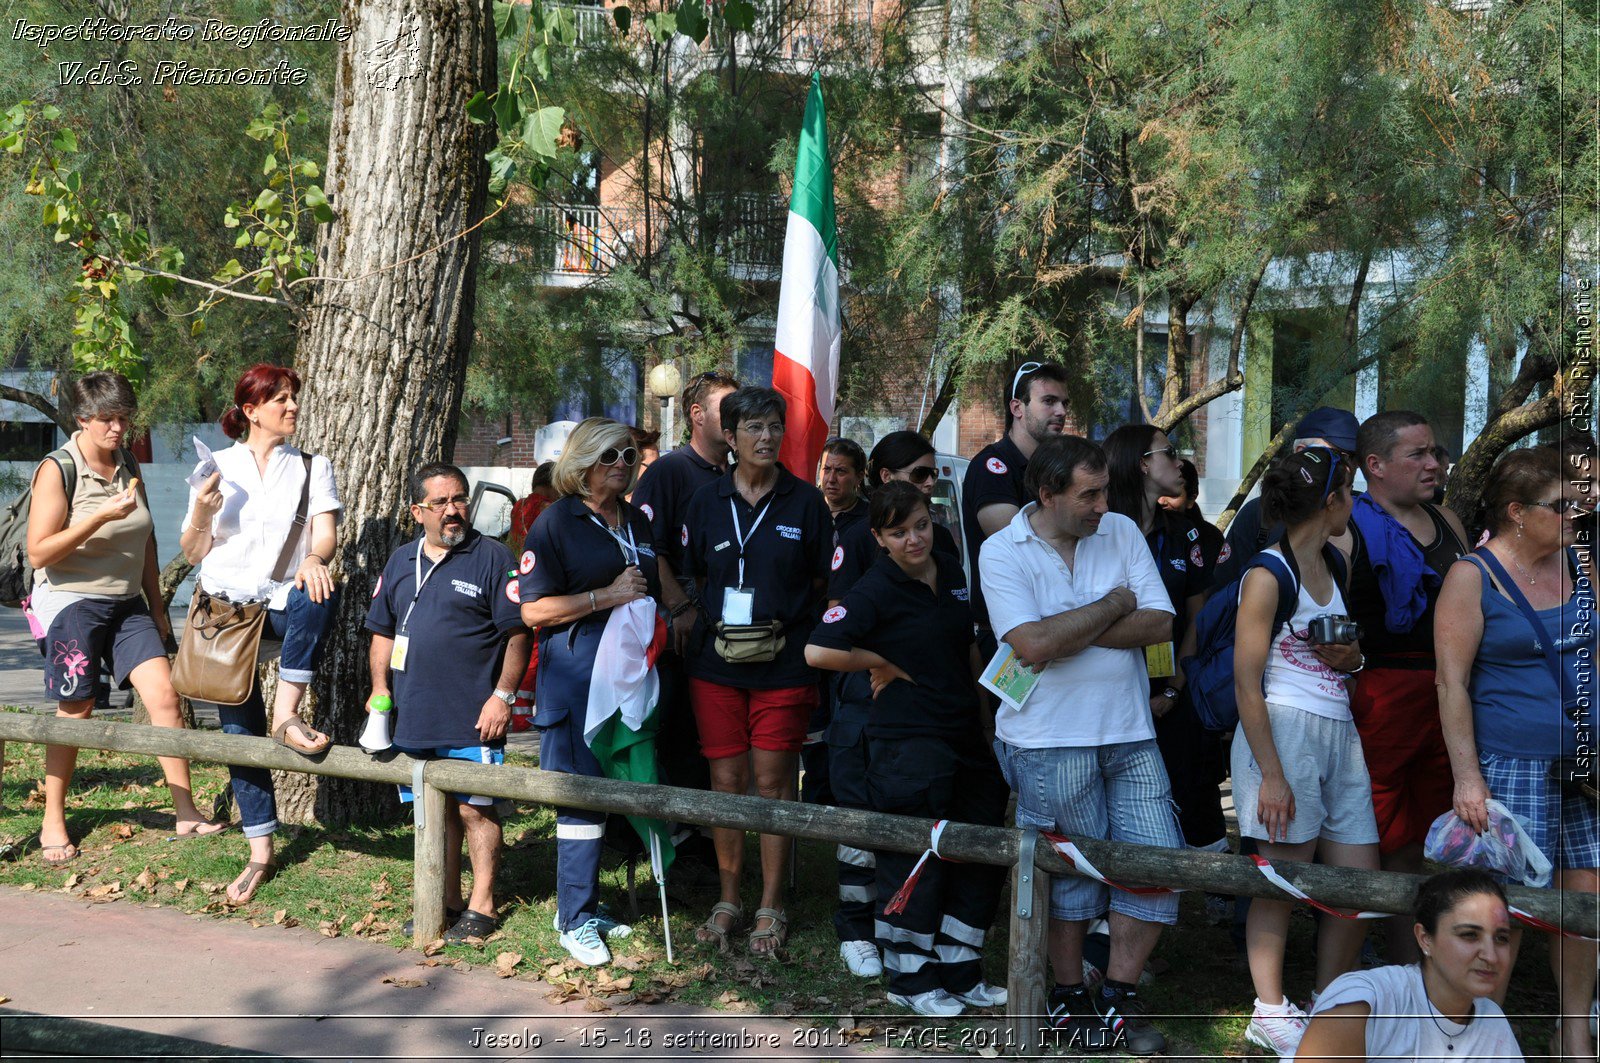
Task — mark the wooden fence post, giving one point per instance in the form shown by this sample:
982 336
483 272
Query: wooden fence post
1027 1008
427 890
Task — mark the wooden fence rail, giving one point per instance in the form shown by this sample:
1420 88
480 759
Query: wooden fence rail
1031 859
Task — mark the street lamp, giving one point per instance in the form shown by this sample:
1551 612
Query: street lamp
664 382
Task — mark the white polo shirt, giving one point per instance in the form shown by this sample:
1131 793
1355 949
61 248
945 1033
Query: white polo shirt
1097 697
257 515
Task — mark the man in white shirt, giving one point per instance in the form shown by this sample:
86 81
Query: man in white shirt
1075 592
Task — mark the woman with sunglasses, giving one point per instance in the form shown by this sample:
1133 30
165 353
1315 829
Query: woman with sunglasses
588 553
1300 783
906 456
1144 468
1513 633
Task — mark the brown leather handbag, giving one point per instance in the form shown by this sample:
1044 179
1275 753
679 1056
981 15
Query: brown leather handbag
216 661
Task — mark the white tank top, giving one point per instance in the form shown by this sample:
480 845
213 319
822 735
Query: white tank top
1294 675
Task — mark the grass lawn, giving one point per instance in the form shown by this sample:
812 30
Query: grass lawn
357 882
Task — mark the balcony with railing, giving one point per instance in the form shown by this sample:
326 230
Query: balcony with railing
575 245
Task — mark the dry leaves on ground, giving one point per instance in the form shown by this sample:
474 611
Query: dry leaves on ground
505 964
404 983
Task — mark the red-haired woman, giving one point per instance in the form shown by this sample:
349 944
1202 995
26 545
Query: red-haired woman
239 521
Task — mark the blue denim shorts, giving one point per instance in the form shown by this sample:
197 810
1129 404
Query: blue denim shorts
1564 826
492 754
1119 793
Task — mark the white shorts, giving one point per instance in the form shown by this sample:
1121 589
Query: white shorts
1323 764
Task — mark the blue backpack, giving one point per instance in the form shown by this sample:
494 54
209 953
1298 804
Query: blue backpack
1210 670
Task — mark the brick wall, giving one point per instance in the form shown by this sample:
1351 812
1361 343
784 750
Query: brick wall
475 444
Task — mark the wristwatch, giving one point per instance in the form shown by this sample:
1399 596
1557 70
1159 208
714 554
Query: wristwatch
1171 693
507 696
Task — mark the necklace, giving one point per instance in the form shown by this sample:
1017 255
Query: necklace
1518 565
1449 1038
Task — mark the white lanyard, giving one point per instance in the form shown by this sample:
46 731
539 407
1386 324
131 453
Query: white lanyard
628 546
743 536
421 581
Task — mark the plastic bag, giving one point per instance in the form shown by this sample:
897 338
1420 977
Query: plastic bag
1505 847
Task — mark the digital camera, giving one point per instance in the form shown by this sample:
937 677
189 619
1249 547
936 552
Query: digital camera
1330 629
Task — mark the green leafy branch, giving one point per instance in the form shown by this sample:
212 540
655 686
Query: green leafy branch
116 257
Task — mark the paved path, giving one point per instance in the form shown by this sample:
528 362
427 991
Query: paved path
293 992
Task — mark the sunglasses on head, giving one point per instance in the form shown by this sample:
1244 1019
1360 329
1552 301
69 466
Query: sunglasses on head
1023 370
1333 456
611 455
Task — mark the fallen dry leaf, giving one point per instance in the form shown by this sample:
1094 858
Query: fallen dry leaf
5 1000
616 985
72 881
280 915
145 881
431 961
328 929
596 1004
628 963
28 887
213 888
505 964
107 891
405 983
729 997
434 947
381 887
123 830
649 996
181 885
364 924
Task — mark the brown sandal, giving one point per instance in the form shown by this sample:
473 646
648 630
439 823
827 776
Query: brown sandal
711 932
258 873
776 932
309 748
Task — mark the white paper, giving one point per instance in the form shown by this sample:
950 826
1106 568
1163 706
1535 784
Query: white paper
1009 679
204 467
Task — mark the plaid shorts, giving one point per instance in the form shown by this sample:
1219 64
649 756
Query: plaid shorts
1564 826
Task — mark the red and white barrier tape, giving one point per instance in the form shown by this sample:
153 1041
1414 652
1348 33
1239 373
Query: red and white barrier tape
897 903
1074 856
1539 924
1272 876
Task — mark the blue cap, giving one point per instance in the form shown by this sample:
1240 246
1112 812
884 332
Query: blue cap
1338 427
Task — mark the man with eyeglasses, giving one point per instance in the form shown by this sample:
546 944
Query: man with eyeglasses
992 491
1324 426
1403 546
662 495
449 645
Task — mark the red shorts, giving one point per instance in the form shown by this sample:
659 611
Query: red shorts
732 720
1397 715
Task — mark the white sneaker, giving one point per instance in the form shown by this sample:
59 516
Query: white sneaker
983 995
862 958
935 1003
609 928
1278 1030
585 944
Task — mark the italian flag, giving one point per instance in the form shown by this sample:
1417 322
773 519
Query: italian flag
805 364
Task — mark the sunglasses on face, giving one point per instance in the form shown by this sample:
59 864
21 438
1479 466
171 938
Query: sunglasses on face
1023 370
921 474
1560 505
611 455
1169 450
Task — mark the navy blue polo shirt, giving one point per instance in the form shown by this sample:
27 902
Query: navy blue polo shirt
786 554
927 634
569 550
663 493
457 629
994 475
857 548
1180 557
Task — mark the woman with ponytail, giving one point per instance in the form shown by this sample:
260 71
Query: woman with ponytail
240 523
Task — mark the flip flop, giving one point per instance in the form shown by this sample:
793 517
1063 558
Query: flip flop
259 872
70 849
189 836
280 735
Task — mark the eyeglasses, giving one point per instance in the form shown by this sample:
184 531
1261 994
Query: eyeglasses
1023 370
758 430
921 474
461 502
1561 505
1169 450
611 455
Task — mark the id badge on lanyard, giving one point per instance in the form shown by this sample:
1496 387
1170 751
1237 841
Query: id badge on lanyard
402 638
739 603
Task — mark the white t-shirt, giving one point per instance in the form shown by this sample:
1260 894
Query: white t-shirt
1294 675
257 515
1100 696
1405 1025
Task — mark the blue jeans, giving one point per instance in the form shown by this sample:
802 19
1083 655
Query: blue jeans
1118 793
302 626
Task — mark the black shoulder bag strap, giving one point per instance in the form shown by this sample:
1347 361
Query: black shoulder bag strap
297 530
